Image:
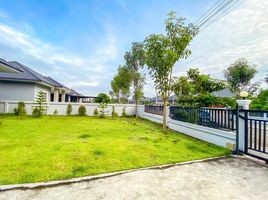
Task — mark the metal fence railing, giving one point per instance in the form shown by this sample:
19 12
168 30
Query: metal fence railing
210 117
157 110
256 133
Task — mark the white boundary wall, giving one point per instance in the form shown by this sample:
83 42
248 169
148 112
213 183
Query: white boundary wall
211 135
8 107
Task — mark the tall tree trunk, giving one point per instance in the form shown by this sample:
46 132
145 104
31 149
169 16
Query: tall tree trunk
165 115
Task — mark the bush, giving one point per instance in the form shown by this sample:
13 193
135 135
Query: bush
20 111
69 109
55 112
114 114
82 110
96 112
124 114
36 112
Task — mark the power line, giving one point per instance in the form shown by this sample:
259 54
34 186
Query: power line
205 13
224 13
215 12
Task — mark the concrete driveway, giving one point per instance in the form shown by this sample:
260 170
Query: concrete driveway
225 178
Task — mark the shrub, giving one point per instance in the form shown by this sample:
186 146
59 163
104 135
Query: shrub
69 109
55 112
20 111
124 114
82 110
36 112
96 112
114 114
103 112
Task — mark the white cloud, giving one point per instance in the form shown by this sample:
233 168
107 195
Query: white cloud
241 33
66 67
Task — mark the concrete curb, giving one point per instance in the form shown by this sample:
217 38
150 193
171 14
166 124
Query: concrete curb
39 185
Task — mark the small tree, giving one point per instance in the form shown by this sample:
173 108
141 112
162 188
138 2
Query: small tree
82 110
41 106
96 112
20 111
103 112
69 109
121 84
102 98
163 51
114 114
239 76
124 114
135 60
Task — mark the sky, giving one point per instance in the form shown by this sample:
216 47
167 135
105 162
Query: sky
81 43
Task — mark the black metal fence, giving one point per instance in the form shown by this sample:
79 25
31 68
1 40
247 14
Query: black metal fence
210 117
256 131
157 110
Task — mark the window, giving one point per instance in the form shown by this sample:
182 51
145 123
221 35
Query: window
52 97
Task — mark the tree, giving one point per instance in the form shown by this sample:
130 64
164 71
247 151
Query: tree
261 102
41 106
197 88
102 98
135 59
266 79
163 51
239 76
121 84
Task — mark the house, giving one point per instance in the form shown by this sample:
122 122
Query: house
20 83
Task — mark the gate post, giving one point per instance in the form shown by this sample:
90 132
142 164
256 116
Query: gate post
242 124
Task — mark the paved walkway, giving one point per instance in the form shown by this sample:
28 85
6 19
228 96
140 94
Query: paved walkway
226 178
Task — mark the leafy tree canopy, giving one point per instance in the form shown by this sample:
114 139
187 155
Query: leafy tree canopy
102 98
239 76
163 51
121 84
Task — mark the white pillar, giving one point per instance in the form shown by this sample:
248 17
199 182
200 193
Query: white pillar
69 98
56 96
243 104
62 97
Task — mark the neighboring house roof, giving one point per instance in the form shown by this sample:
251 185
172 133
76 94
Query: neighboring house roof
6 67
224 93
28 75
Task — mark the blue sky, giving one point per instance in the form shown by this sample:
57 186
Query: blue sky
81 43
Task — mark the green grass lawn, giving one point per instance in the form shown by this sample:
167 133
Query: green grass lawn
60 147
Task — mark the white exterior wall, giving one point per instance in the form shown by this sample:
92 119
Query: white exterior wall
46 90
8 107
14 91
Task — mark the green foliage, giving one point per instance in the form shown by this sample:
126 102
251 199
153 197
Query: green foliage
114 114
82 110
163 51
20 111
124 114
102 98
121 85
103 113
135 60
197 89
55 112
261 102
239 76
69 109
96 112
40 107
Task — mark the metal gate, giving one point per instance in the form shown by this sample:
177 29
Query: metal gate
256 133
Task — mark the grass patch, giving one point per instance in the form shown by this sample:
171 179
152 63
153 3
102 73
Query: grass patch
57 147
